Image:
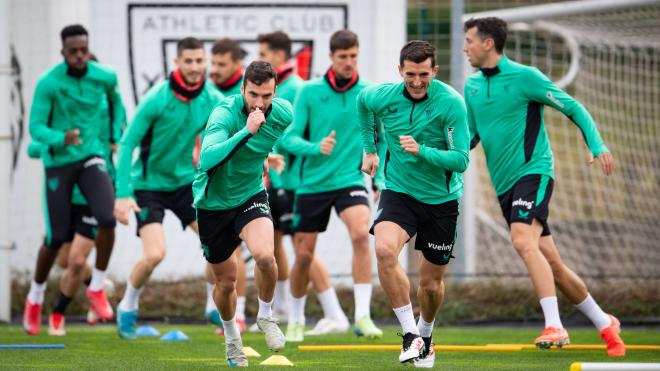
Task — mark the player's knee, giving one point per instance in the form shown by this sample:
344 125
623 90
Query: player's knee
225 285
360 239
264 261
524 245
304 257
77 264
385 253
153 258
431 286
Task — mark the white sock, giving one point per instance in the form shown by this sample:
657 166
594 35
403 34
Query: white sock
210 303
282 294
265 309
330 304
362 295
98 277
406 318
590 308
297 312
131 298
551 312
37 291
231 329
240 308
425 328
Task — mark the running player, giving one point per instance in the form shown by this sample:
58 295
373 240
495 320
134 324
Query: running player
67 117
325 116
427 149
226 66
275 48
505 99
165 126
232 204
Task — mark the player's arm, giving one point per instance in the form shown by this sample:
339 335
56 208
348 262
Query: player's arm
472 123
40 115
35 149
144 118
116 109
541 89
367 121
293 139
457 136
218 143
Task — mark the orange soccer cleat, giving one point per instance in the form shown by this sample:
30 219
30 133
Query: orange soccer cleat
552 336
32 318
99 303
613 342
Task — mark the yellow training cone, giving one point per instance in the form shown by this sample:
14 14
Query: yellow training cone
276 361
249 352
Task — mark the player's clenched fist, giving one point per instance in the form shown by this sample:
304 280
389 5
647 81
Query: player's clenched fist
328 144
255 120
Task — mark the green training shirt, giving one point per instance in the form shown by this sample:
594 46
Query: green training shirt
231 159
63 102
438 124
165 128
505 112
290 177
319 109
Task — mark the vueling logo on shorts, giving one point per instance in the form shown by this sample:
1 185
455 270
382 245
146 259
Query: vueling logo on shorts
441 247
521 202
263 207
359 194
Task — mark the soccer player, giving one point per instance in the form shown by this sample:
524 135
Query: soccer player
226 66
275 48
231 201
505 100
427 150
67 117
323 133
165 126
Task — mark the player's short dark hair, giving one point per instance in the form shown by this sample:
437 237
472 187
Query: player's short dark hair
188 43
489 27
276 41
259 72
73 30
343 39
417 51
227 45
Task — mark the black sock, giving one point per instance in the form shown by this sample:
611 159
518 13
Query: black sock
61 303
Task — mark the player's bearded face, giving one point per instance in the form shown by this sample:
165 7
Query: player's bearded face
344 62
76 52
258 96
192 64
417 76
223 67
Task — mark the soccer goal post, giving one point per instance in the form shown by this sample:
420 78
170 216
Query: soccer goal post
606 54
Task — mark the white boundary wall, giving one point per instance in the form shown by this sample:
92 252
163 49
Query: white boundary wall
35 27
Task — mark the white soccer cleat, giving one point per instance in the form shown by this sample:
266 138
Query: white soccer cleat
326 326
235 355
412 347
254 328
275 339
427 358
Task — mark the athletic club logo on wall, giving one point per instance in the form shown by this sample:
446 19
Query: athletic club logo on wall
154 29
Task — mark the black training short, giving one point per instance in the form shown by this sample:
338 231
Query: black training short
434 225
154 203
527 200
219 230
281 207
96 186
312 211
